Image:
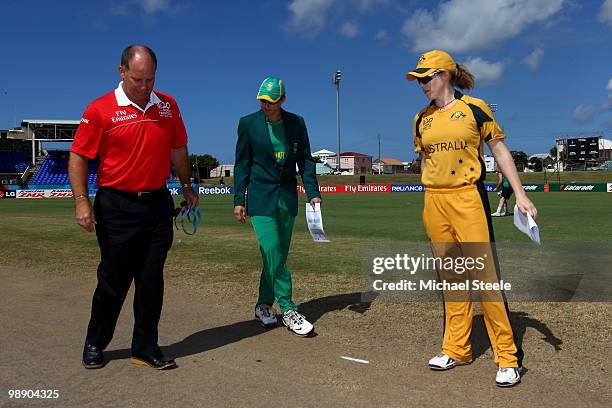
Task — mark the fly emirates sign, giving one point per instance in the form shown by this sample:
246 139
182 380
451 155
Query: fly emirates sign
350 189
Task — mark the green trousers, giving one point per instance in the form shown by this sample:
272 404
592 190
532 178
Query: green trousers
274 237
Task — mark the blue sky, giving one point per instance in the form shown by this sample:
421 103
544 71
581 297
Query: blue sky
546 63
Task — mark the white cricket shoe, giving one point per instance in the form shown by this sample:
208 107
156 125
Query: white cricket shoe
496 214
297 323
443 362
265 315
507 377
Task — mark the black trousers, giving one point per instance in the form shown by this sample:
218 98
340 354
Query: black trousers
134 234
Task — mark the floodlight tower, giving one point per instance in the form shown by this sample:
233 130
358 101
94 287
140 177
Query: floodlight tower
336 80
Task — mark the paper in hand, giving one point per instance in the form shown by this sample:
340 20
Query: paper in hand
526 224
314 220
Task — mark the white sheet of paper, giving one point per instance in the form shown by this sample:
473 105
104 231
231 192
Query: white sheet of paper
314 219
526 224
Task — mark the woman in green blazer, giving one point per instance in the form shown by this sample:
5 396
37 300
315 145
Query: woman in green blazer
271 142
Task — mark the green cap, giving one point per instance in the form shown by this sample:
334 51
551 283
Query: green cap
272 89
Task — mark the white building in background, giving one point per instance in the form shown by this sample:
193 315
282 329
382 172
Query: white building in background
224 170
605 149
323 155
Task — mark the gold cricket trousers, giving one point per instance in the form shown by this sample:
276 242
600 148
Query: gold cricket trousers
462 215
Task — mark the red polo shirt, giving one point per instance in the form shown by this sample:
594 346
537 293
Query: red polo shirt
133 144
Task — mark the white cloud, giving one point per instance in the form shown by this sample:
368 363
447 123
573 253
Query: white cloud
153 6
148 7
533 60
349 30
452 25
608 103
309 15
585 113
367 4
605 13
382 35
485 72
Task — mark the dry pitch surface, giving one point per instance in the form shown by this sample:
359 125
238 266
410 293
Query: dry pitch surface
226 359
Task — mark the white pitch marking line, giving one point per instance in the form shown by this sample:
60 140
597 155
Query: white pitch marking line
356 360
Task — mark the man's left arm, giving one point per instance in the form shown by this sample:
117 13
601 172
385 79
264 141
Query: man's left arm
180 161
308 168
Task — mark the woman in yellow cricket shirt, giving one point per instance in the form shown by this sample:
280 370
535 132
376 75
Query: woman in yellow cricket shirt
449 135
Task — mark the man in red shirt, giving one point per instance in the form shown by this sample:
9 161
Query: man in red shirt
136 133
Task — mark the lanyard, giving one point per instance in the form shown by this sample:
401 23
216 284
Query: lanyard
188 219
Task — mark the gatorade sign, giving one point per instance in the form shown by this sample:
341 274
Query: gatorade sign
589 187
598 187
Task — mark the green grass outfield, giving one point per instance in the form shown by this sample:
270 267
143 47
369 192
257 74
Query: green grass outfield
43 234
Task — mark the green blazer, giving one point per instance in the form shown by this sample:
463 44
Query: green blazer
258 180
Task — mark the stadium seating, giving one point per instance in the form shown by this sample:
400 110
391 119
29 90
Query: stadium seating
54 169
14 162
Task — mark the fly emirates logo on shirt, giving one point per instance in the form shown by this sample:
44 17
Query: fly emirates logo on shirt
122 115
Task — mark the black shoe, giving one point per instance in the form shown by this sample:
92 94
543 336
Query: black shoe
93 357
158 362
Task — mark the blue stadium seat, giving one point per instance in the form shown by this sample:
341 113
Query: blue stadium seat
14 162
54 169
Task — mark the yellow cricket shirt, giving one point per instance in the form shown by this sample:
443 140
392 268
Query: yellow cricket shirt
452 141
